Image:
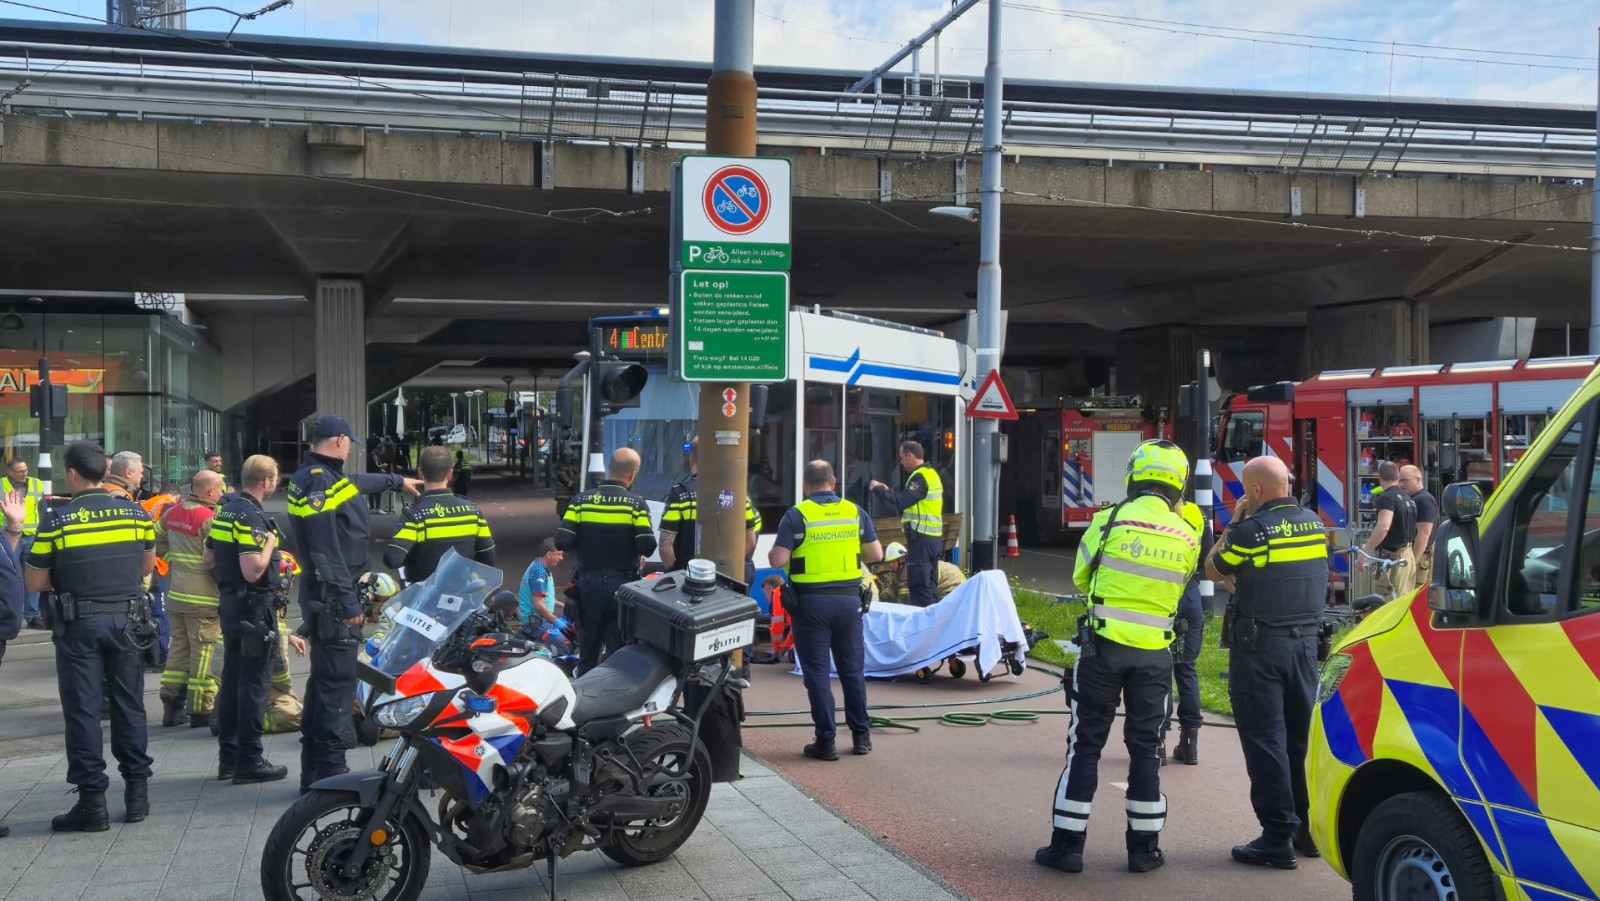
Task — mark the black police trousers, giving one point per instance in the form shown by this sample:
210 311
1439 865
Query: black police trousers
93 658
599 625
242 701
824 624
330 696
1274 688
922 568
1142 679
1185 652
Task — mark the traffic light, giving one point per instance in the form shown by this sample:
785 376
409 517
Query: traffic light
511 405
620 383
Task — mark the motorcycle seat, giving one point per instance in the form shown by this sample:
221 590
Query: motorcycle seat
623 682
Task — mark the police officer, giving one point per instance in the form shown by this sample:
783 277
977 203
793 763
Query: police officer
439 521
243 551
1186 653
1274 558
95 551
1133 562
679 522
822 542
608 527
330 528
921 503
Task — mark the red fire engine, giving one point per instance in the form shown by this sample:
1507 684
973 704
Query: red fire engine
1457 422
1073 438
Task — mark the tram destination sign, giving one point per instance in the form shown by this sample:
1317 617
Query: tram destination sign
733 326
734 213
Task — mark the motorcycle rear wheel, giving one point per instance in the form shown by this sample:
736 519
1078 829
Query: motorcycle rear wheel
299 862
652 842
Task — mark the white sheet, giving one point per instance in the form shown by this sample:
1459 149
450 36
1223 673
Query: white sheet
980 613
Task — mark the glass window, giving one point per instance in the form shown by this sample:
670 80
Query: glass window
1242 437
1555 491
772 488
824 419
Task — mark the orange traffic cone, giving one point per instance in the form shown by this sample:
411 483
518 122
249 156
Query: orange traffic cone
1011 539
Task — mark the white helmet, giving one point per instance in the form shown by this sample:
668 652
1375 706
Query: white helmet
893 552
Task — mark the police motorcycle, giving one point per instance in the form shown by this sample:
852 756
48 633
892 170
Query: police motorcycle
501 759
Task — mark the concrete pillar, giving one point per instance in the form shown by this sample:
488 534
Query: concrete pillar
341 313
1367 335
1154 362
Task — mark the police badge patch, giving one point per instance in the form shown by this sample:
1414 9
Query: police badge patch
317 500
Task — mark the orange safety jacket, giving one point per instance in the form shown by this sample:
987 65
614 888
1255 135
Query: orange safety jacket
155 506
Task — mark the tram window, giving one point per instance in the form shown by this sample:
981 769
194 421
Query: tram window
824 416
772 488
878 421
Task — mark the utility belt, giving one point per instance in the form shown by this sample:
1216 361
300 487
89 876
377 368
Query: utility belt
1240 632
59 609
1388 554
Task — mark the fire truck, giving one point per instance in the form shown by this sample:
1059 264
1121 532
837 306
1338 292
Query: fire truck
1071 438
1458 422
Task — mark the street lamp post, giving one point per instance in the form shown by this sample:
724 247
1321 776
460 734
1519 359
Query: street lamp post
455 412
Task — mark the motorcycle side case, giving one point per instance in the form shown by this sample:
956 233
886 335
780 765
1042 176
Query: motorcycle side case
663 613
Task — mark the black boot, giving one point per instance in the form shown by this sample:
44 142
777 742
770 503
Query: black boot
88 815
1144 852
199 721
261 772
821 749
1302 843
1264 853
861 743
1064 853
173 711
1188 751
136 798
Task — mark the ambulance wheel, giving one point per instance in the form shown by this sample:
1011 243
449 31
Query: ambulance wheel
1418 845
958 668
924 675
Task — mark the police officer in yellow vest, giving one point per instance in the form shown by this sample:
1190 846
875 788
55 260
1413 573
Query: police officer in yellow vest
1133 563
921 503
32 490
822 542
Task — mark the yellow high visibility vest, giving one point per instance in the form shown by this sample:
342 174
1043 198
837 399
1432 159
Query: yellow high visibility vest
831 551
926 517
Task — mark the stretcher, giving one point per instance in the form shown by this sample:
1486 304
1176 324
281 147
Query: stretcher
977 625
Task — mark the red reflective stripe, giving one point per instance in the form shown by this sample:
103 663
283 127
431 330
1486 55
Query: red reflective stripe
1362 690
1502 706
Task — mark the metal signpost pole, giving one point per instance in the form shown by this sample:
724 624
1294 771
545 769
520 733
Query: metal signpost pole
46 420
1202 460
730 130
985 471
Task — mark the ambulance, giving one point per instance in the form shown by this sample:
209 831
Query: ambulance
1455 741
1457 422
1072 439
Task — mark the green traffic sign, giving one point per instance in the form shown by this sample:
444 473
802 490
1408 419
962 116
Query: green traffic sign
733 326
723 255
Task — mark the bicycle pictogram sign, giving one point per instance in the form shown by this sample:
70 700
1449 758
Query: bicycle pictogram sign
736 200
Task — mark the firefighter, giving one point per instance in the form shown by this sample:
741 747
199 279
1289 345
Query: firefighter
439 521
331 527
32 490
1133 562
283 705
95 551
679 525
608 527
1393 532
822 542
921 505
1274 559
189 681
891 576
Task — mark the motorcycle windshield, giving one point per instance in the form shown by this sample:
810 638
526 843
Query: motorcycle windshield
424 614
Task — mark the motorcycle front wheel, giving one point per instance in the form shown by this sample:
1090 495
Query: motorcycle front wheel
306 850
664 748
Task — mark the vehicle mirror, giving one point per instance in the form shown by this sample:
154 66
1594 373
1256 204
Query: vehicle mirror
1457 591
1462 502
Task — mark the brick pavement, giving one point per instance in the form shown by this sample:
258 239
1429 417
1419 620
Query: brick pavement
762 840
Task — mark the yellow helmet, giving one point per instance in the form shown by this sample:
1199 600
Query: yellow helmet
380 586
1160 461
1192 515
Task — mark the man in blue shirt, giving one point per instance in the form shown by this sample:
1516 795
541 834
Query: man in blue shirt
536 599
822 542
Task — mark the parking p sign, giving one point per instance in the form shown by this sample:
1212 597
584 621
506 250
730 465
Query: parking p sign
735 213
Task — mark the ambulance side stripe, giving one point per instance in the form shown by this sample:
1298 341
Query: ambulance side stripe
1532 849
1580 732
1341 733
1434 717
1478 816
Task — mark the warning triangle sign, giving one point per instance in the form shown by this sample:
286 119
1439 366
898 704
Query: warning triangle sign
991 401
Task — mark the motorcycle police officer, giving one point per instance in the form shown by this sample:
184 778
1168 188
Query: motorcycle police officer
242 551
95 551
921 503
822 542
1274 557
1133 563
608 527
330 529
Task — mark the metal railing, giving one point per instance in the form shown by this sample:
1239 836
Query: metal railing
45 80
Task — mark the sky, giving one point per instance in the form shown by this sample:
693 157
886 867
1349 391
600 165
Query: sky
1535 51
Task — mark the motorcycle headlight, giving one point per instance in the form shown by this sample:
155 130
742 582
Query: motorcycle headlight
1333 671
399 714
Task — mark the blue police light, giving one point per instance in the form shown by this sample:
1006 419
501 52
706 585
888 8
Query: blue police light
472 703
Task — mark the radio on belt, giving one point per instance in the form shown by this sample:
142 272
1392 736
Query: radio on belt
692 615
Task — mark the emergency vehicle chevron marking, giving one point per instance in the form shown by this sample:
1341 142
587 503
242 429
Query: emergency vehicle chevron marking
1362 696
1496 697
1434 715
1584 633
1341 732
1580 733
1478 816
1532 849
